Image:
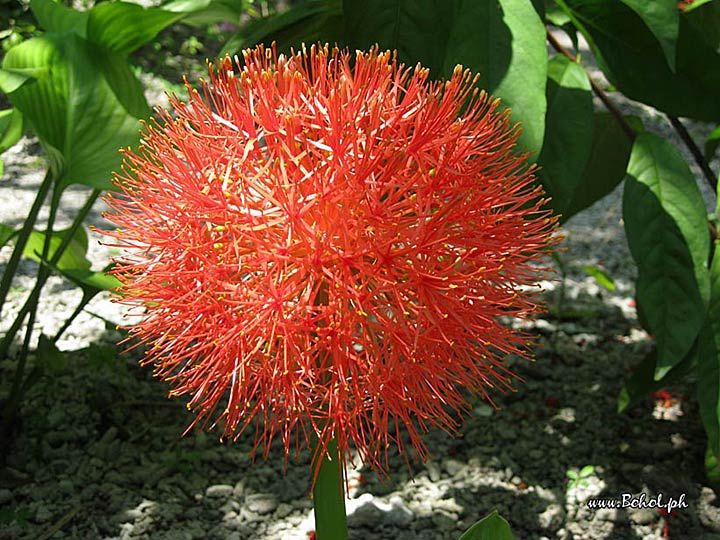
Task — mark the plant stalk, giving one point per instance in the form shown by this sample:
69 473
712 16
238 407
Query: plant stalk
18 381
23 237
695 151
329 497
35 294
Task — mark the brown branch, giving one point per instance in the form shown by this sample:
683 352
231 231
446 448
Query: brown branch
627 128
695 151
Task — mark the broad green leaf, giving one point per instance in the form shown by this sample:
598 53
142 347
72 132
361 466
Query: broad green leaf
125 85
73 258
491 527
206 12
568 131
11 128
307 22
521 84
634 61
79 118
56 17
663 20
712 143
642 381
602 278
666 228
12 79
49 356
123 27
606 165
503 41
708 371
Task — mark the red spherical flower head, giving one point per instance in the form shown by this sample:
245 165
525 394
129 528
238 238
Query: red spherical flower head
322 245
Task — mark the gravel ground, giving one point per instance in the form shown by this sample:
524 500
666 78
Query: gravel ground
100 454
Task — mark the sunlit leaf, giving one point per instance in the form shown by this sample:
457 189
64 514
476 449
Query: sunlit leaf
78 116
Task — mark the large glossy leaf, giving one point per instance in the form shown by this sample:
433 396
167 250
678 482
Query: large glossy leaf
491 527
663 20
307 22
503 40
205 12
606 164
568 132
123 27
12 79
635 62
665 223
78 116
56 17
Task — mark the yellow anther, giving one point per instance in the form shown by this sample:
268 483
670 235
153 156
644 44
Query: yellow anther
219 228
217 245
205 190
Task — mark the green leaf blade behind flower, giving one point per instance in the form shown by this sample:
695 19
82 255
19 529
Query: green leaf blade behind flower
308 22
606 165
124 27
568 132
665 223
80 119
56 17
503 41
634 61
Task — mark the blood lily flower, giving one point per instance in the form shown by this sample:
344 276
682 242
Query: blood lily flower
322 245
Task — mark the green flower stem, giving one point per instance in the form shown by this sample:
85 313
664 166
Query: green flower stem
31 303
329 497
35 294
18 381
23 237
71 318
